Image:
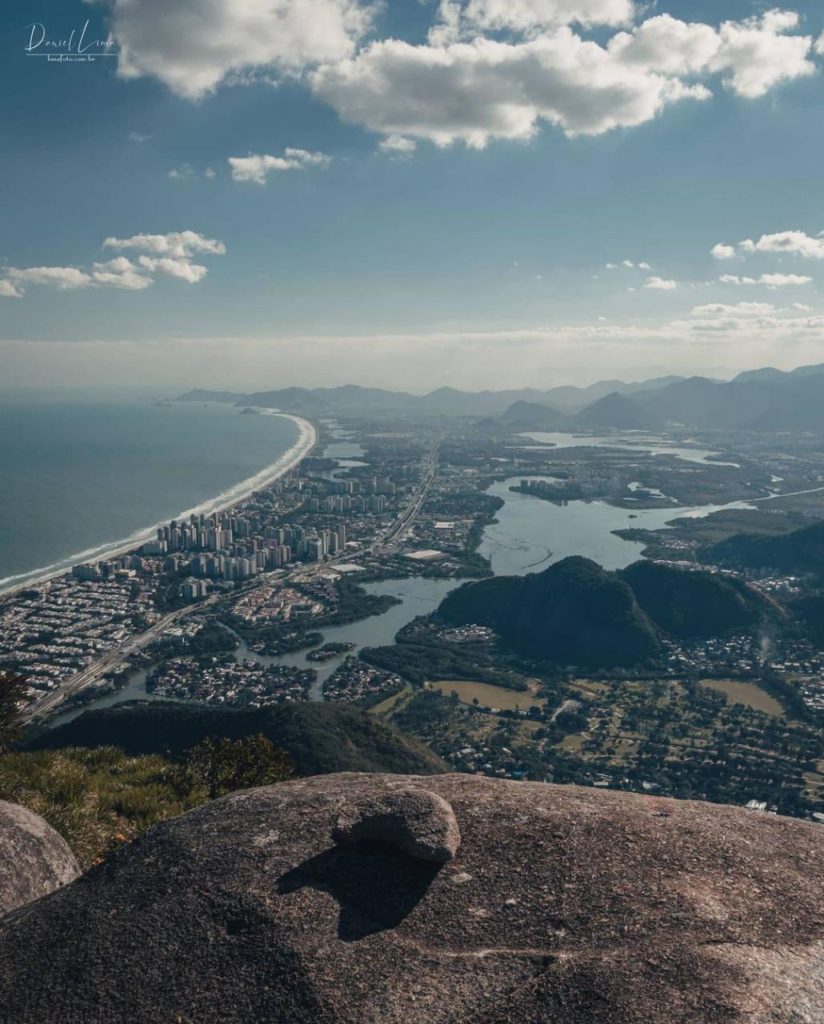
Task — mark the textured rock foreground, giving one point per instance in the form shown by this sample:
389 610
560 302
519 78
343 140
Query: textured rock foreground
561 906
34 859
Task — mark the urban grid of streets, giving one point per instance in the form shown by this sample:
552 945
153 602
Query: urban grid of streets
385 543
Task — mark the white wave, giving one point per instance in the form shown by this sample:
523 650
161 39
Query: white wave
307 438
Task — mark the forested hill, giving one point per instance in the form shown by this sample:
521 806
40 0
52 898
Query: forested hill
319 738
576 613
801 551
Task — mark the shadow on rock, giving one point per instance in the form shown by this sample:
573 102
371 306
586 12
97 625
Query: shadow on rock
375 886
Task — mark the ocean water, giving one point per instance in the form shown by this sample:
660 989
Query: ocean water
79 474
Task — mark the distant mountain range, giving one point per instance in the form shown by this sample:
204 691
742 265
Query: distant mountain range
758 400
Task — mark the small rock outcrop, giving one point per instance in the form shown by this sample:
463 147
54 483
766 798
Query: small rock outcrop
560 906
416 821
34 859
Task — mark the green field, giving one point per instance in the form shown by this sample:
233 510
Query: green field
488 695
748 694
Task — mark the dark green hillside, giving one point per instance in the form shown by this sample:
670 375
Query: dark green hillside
800 551
574 613
693 604
319 738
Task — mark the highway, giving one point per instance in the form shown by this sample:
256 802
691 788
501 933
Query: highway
386 543
109 661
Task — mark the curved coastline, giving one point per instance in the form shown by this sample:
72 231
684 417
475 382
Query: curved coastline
306 441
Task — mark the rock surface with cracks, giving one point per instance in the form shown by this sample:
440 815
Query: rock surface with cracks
34 859
561 906
415 821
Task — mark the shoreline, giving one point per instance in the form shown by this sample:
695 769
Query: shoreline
306 441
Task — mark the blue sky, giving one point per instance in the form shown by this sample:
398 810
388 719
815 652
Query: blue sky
420 194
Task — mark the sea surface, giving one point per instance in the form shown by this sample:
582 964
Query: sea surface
76 475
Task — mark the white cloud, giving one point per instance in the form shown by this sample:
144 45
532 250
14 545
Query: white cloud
667 45
179 268
62 278
752 56
723 252
138 137
739 309
257 167
485 89
795 243
802 307
194 45
397 145
119 273
819 46
784 280
177 244
628 265
10 290
660 284
769 280
183 173
758 53
171 256
458 19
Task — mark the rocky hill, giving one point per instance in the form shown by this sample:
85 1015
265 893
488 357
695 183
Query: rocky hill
319 738
356 899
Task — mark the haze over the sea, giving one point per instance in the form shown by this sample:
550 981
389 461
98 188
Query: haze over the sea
78 474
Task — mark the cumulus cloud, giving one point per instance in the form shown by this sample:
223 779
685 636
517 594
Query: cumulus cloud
738 309
186 173
791 243
182 269
489 69
628 265
484 89
397 145
257 167
660 284
723 252
62 278
752 56
194 45
177 244
769 280
464 86
10 290
119 273
171 256
456 18
796 243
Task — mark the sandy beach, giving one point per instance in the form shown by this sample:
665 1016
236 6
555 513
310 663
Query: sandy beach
307 438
